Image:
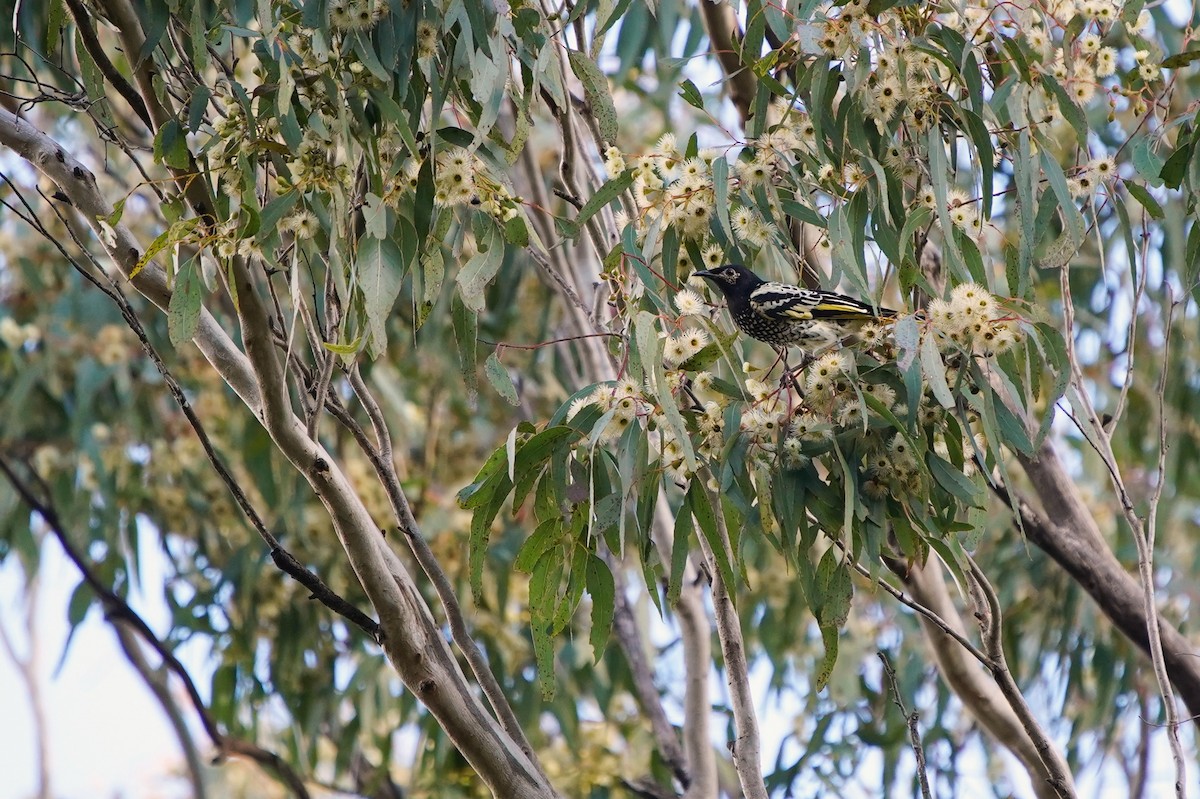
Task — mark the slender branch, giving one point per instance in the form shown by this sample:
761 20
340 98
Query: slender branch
91 43
929 615
156 680
625 629
991 624
746 748
911 720
1143 529
117 610
1146 564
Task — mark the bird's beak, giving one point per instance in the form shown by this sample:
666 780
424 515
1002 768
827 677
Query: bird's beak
704 273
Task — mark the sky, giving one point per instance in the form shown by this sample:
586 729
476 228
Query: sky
108 736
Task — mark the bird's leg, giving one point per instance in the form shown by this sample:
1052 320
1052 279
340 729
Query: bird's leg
788 379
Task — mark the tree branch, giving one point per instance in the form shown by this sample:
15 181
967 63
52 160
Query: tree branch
411 639
117 610
979 693
1068 533
991 624
1143 529
720 21
746 748
156 681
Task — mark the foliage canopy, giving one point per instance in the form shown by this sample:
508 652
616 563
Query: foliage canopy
347 212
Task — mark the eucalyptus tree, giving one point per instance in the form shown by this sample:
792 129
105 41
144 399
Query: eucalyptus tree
258 256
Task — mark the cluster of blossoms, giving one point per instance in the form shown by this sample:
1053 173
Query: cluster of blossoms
669 187
962 211
302 224
794 431
1090 177
681 346
16 336
971 320
316 166
459 178
355 15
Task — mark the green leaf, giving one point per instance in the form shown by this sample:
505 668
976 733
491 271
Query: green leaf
1071 112
433 272
473 278
490 498
548 534
934 371
952 479
602 588
1175 168
1146 161
534 453
466 333
1181 59
177 232
170 146
691 95
1050 343
197 106
56 20
698 504
273 212
832 593
596 93
680 544
118 211
183 311
224 690
380 267
500 379
80 602
1144 197
348 350
604 195
516 233
983 146
543 650
907 335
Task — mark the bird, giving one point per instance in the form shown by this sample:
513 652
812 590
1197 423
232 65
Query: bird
784 315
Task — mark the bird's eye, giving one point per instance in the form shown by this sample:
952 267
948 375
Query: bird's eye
730 275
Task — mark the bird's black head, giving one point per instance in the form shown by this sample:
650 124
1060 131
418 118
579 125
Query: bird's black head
732 279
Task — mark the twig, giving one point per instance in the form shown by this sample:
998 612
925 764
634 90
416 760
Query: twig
1143 530
156 679
930 615
625 630
991 623
117 609
1146 563
381 457
911 720
746 748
